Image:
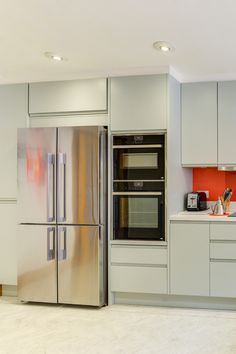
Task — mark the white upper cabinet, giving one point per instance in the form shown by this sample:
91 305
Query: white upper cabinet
68 96
13 115
199 124
139 102
226 122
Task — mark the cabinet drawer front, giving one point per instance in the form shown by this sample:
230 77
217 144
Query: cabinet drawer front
223 250
222 275
138 255
223 231
68 96
149 280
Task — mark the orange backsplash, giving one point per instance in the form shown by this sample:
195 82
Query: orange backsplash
214 181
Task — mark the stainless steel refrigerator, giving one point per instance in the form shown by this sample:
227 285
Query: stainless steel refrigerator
62 211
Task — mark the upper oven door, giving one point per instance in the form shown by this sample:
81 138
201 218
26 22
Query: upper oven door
138 162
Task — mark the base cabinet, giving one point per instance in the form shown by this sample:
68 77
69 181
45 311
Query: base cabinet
139 269
189 259
139 279
222 279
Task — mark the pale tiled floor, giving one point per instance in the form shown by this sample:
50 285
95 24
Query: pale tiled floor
31 328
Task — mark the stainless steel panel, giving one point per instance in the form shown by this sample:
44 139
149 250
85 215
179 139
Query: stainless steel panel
80 274
37 267
36 175
79 173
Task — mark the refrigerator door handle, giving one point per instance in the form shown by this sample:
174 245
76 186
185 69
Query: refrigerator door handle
62 243
61 187
51 243
51 187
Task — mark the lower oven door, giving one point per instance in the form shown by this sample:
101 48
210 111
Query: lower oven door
138 216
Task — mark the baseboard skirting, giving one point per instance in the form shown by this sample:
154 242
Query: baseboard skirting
9 290
201 302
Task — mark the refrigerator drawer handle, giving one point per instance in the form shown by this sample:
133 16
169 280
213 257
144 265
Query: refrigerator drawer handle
61 243
51 243
51 187
61 187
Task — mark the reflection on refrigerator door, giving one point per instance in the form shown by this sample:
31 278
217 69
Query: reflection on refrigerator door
78 175
80 265
36 175
37 264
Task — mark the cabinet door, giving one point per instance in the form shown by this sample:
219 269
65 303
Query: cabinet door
8 249
223 278
68 96
226 122
13 115
138 102
199 124
189 259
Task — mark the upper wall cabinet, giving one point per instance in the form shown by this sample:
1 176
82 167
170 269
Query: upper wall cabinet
226 122
13 115
199 124
79 96
139 102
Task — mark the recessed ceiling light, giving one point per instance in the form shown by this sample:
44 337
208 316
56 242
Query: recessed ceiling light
54 56
163 46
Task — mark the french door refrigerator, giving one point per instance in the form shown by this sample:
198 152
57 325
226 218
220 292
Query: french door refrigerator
62 215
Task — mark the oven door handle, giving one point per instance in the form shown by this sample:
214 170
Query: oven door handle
137 146
137 193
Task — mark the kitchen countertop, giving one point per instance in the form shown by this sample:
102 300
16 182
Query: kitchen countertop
201 216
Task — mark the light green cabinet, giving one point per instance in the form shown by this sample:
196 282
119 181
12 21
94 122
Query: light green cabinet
226 123
189 258
138 269
199 124
68 97
223 259
139 103
13 115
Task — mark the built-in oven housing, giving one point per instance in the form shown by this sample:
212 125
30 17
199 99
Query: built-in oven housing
139 187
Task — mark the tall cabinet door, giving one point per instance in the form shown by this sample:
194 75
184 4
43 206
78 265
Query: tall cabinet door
139 102
79 265
78 175
199 124
36 175
37 267
226 123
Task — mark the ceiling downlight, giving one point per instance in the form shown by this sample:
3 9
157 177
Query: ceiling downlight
53 56
163 46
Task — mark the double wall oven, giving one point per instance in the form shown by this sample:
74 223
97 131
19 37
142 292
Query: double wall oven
139 187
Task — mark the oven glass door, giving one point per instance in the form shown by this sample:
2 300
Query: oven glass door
138 163
138 216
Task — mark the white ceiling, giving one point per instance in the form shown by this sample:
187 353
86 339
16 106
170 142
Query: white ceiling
115 37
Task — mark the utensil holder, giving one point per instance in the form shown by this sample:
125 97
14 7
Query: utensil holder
226 206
